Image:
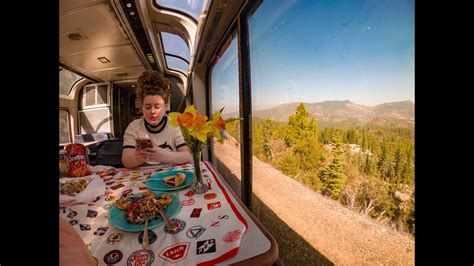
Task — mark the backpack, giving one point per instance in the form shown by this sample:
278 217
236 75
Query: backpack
109 152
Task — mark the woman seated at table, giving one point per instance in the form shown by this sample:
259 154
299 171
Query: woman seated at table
169 146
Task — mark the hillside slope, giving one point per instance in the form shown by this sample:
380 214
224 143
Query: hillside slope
345 113
321 227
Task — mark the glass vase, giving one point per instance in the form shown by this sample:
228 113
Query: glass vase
198 185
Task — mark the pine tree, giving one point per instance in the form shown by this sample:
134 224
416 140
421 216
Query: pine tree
332 176
300 126
268 129
288 164
310 154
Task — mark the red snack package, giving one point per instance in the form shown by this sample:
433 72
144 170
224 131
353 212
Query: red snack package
76 155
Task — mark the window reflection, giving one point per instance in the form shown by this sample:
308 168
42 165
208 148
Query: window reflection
225 93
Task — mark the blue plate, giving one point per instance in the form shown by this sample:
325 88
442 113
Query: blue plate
118 221
155 182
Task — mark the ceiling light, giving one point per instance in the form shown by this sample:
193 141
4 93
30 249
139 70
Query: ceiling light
103 60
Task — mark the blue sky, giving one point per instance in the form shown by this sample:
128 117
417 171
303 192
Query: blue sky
313 51
192 7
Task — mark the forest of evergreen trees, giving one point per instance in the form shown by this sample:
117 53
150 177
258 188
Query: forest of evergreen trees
368 169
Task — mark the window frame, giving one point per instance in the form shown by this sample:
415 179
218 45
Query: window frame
239 25
173 55
176 69
84 106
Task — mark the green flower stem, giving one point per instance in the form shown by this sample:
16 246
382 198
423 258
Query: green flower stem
198 186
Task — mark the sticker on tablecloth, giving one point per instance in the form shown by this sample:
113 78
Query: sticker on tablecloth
114 238
72 214
187 202
100 231
117 186
91 213
232 236
175 252
210 196
141 257
179 225
113 257
206 246
189 193
85 227
215 224
195 231
196 213
213 205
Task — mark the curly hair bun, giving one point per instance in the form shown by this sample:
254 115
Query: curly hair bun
153 83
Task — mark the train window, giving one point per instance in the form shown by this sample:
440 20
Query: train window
191 8
333 110
174 44
177 63
176 51
90 96
66 80
94 95
64 126
102 94
225 93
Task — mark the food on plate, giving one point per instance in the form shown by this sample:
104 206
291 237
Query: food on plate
164 199
138 208
111 171
174 181
71 188
122 203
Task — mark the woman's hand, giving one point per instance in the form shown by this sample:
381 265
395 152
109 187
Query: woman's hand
155 154
141 155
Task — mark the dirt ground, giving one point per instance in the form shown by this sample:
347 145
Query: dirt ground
312 229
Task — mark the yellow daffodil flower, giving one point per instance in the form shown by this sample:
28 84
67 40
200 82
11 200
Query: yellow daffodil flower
196 127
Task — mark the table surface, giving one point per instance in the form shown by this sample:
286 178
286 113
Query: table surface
257 246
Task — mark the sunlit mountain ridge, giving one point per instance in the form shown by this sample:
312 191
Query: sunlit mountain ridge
346 113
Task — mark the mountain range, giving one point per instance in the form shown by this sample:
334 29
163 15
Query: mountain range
346 113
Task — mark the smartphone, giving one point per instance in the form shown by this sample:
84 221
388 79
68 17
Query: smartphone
143 143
